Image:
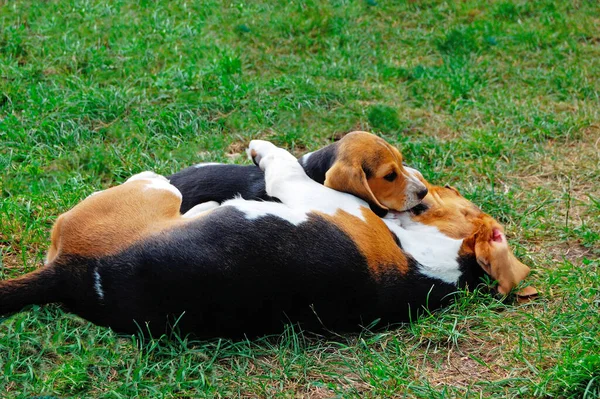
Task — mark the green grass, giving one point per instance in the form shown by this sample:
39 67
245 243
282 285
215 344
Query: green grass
500 99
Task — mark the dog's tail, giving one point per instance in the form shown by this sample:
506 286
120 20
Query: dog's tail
39 287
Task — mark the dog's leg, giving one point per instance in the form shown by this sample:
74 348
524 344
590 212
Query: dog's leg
286 180
156 181
159 182
281 168
147 175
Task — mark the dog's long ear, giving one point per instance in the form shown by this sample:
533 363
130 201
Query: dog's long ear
495 257
351 179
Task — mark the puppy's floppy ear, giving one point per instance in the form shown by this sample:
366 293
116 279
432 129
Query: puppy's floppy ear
351 179
495 257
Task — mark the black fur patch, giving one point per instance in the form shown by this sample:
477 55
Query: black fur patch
219 183
419 209
471 273
319 162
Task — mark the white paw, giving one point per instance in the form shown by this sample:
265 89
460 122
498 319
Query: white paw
258 150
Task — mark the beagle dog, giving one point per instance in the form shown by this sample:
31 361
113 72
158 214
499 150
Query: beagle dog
353 159
128 259
360 163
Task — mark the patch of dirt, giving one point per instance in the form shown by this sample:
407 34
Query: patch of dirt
566 166
352 382
565 177
460 370
50 71
571 251
317 393
299 391
10 387
236 150
12 265
9 259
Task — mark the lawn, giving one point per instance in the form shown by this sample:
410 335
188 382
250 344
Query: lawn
499 99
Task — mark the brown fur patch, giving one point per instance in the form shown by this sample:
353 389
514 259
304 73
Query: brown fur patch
110 221
450 212
54 240
373 239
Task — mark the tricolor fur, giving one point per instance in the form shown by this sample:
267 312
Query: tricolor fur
128 259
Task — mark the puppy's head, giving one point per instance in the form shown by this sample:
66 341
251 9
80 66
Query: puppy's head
483 237
368 167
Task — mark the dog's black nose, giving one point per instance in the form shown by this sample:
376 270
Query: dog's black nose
421 194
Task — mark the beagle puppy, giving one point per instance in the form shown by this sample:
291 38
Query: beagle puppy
360 163
128 259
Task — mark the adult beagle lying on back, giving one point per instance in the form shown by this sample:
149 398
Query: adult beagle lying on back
127 258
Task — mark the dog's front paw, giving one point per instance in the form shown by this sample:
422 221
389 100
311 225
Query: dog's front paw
259 150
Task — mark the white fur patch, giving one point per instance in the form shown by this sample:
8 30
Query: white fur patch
200 208
414 172
413 187
257 209
436 253
98 285
304 158
404 220
203 164
296 215
155 182
146 175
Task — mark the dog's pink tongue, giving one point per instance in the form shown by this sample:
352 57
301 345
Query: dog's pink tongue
497 235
